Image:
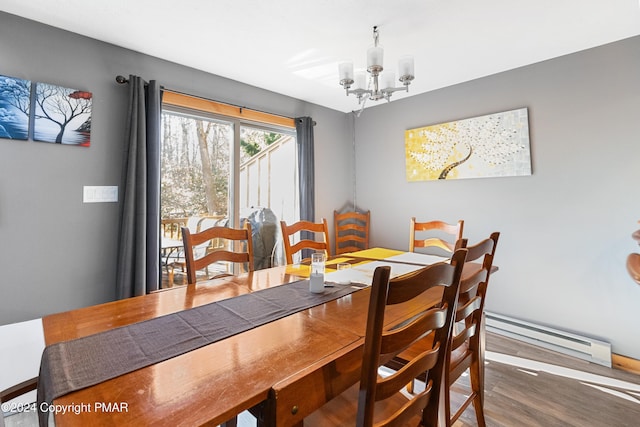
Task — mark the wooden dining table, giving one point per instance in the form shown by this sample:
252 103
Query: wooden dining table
315 352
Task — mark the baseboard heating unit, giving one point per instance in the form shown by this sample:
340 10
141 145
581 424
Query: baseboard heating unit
563 342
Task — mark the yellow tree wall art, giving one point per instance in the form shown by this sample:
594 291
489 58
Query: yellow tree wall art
486 146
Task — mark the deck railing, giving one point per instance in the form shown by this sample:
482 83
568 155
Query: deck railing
268 180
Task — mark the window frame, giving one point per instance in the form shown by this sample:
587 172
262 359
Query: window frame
180 103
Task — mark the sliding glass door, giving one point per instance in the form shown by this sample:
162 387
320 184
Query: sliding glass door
220 170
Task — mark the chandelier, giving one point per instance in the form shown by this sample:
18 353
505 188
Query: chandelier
379 85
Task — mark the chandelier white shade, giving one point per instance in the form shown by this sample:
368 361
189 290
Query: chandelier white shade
379 85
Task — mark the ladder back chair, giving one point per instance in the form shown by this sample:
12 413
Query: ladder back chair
466 350
438 231
232 236
307 229
351 230
378 401
467 342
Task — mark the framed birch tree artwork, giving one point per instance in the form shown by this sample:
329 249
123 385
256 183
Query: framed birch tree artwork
62 115
15 106
494 145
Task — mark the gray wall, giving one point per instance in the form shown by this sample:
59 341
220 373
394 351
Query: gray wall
565 229
57 253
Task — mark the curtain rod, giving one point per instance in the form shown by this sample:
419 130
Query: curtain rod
123 80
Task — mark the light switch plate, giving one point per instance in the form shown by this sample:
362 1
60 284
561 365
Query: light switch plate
99 194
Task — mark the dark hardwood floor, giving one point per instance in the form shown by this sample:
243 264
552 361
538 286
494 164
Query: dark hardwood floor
561 391
521 396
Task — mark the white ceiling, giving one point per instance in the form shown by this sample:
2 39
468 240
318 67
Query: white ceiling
293 47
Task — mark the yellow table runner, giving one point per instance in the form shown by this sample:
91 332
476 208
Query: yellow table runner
364 263
302 270
376 253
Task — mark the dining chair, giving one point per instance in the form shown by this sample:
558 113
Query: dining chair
351 230
468 338
377 400
309 233
226 252
441 235
171 231
466 350
633 267
14 391
174 257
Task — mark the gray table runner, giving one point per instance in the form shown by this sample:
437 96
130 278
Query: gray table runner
72 365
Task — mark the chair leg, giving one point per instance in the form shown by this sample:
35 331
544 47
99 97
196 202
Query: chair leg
477 406
476 377
446 399
478 367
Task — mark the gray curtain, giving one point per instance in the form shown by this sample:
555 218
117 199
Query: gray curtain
306 173
138 270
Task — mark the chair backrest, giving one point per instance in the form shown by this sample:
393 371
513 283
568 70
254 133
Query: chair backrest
351 230
380 346
313 228
227 253
208 245
467 328
633 267
438 230
473 290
